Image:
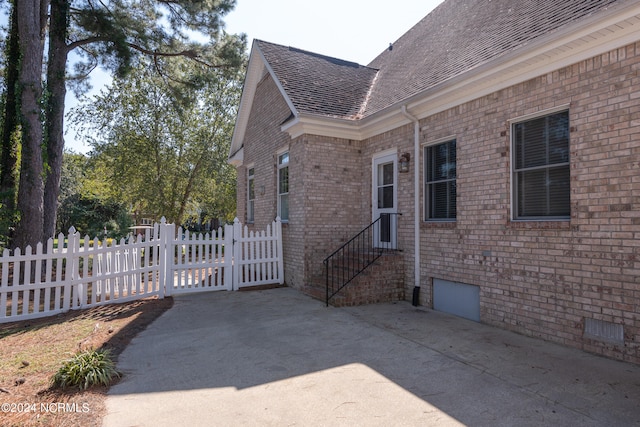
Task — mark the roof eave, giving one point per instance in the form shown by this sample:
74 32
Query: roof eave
313 124
615 28
255 71
587 38
252 77
236 159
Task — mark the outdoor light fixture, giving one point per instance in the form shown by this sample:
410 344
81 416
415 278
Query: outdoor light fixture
404 162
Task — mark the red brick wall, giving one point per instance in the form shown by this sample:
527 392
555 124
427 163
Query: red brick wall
334 187
325 187
544 278
538 278
263 141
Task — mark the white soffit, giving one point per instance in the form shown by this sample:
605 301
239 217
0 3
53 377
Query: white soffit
322 126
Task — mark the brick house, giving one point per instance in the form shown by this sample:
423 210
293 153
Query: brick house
506 133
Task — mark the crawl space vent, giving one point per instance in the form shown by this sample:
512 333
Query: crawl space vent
603 331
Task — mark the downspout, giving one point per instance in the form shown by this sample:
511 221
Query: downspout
416 206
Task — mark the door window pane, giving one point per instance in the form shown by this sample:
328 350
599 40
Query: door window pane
386 177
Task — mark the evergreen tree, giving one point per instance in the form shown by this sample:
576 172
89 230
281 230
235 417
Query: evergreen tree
112 34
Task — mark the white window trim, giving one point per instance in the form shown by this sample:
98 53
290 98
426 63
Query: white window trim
278 168
438 141
512 190
424 177
538 114
249 178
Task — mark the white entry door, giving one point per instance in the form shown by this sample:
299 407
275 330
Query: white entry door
385 200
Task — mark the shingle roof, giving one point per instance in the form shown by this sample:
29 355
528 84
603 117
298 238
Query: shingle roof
455 37
461 34
319 84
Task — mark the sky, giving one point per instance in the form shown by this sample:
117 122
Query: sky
352 30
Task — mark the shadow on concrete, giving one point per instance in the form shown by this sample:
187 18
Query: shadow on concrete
280 341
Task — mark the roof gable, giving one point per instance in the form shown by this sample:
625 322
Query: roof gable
310 83
319 84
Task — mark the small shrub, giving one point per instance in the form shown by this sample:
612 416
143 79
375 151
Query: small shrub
86 369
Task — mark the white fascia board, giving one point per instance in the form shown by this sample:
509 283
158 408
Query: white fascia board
543 57
255 69
322 126
388 119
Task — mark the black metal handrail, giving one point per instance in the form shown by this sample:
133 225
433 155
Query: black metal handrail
362 250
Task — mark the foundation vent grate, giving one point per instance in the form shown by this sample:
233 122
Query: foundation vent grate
603 331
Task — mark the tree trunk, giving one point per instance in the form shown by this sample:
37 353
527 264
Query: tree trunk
54 121
9 168
30 192
187 191
9 143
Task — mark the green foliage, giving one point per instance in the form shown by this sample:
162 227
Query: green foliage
8 217
163 144
115 34
84 203
91 215
86 369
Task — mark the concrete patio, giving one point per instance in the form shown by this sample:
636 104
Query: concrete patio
278 357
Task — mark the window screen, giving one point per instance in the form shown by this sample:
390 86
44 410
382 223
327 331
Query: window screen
541 167
440 181
283 186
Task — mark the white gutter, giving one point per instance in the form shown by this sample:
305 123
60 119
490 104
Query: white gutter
416 205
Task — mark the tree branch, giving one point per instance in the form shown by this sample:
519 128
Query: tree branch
189 53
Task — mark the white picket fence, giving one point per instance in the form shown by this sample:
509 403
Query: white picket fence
159 263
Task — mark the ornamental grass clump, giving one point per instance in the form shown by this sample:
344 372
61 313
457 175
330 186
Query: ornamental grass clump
86 369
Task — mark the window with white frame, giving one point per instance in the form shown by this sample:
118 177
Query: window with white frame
440 181
540 168
251 195
283 186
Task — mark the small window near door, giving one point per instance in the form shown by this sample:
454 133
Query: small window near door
283 187
251 195
440 181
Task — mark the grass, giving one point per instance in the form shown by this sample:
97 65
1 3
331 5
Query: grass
33 351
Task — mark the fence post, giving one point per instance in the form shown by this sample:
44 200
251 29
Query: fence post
70 267
237 253
227 254
277 227
163 259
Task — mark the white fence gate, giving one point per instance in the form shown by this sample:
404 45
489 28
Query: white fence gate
229 259
160 262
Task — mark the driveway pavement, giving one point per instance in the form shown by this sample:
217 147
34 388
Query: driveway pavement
278 357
